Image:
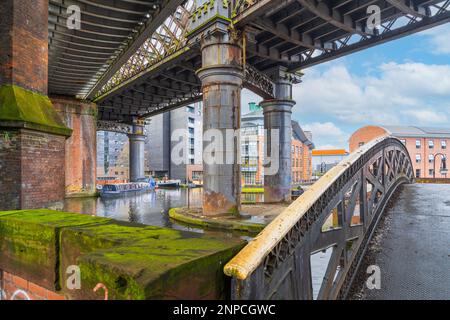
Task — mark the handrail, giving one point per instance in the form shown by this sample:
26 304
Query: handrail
254 255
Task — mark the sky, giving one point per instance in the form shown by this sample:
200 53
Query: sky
403 82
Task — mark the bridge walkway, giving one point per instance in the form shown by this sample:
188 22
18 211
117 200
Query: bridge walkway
412 247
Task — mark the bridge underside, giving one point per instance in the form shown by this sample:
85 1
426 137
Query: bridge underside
294 34
109 32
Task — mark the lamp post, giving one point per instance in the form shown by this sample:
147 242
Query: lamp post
443 169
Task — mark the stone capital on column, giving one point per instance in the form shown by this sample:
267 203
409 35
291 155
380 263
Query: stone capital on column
283 80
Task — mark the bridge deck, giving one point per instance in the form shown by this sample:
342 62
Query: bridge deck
412 246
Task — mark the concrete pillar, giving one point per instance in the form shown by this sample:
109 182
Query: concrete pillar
137 151
221 75
277 116
81 147
32 134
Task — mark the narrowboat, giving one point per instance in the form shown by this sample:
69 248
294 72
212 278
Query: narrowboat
119 189
168 184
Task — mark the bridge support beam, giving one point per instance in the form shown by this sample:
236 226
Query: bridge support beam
222 77
137 151
278 125
32 134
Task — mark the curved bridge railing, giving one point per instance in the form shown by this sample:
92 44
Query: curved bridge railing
339 212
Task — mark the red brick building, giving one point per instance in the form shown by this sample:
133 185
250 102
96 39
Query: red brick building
426 146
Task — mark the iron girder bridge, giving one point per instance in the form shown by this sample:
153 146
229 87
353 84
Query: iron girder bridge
276 264
133 58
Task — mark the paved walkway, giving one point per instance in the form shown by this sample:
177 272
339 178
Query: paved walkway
412 246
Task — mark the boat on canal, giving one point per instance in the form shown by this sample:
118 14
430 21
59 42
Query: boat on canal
119 189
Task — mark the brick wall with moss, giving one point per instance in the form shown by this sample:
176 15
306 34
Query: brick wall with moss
132 261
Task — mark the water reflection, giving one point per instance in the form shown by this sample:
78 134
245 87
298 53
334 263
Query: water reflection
150 208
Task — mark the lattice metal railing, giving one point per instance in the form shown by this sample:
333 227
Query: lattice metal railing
113 126
339 212
165 41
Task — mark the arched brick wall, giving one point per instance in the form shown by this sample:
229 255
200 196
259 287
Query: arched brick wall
364 135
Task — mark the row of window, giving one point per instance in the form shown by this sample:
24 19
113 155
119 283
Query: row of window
419 158
296 149
430 143
419 172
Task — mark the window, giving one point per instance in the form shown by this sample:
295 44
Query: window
190 109
191 151
418 144
191 130
431 172
430 158
191 161
417 173
444 144
191 120
418 158
431 144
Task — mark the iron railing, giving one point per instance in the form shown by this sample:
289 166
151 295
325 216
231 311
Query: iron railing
339 212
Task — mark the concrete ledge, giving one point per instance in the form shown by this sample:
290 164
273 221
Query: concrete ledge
21 108
194 218
132 261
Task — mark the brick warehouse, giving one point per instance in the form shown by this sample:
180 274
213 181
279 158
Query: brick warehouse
426 146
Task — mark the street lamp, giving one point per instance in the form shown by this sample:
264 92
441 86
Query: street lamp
443 169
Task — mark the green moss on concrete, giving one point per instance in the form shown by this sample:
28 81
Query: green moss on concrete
166 268
26 109
133 261
137 262
29 242
222 223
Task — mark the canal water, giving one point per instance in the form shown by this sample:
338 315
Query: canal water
149 208
152 208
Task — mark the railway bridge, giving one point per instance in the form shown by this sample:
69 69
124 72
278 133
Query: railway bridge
70 67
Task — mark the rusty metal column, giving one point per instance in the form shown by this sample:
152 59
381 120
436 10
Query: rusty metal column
221 76
137 151
277 116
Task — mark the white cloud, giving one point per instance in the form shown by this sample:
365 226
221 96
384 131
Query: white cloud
438 39
391 97
323 132
428 116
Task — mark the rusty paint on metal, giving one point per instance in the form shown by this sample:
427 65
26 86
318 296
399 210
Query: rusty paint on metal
216 204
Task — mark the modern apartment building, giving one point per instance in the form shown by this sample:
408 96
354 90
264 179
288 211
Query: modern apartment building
180 129
252 150
112 155
427 146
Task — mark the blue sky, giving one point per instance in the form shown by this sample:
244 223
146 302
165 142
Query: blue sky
404 82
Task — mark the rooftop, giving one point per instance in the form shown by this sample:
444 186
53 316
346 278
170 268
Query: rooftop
332 152
413 131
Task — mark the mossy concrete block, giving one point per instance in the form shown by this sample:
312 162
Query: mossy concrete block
77 241
147 262
29 243
192 217
21 108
